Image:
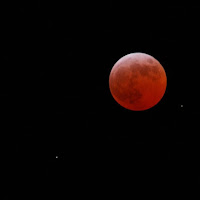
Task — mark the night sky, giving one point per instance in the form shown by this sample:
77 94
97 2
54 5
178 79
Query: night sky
63 134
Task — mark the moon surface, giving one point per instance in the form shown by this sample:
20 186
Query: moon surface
137 81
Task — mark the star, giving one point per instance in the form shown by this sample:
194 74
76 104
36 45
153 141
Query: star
56 156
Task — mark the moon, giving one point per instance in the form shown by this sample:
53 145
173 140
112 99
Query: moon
137 81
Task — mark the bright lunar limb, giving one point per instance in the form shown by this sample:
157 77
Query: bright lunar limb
137 81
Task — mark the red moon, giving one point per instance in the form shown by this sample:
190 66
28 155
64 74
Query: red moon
137 81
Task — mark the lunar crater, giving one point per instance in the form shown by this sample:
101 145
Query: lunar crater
134 96
150 60
128 96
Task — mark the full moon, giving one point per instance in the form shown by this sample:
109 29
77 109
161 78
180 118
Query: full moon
137 81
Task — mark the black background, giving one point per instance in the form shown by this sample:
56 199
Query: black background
55 101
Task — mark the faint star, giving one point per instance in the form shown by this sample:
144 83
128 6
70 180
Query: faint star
56 156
